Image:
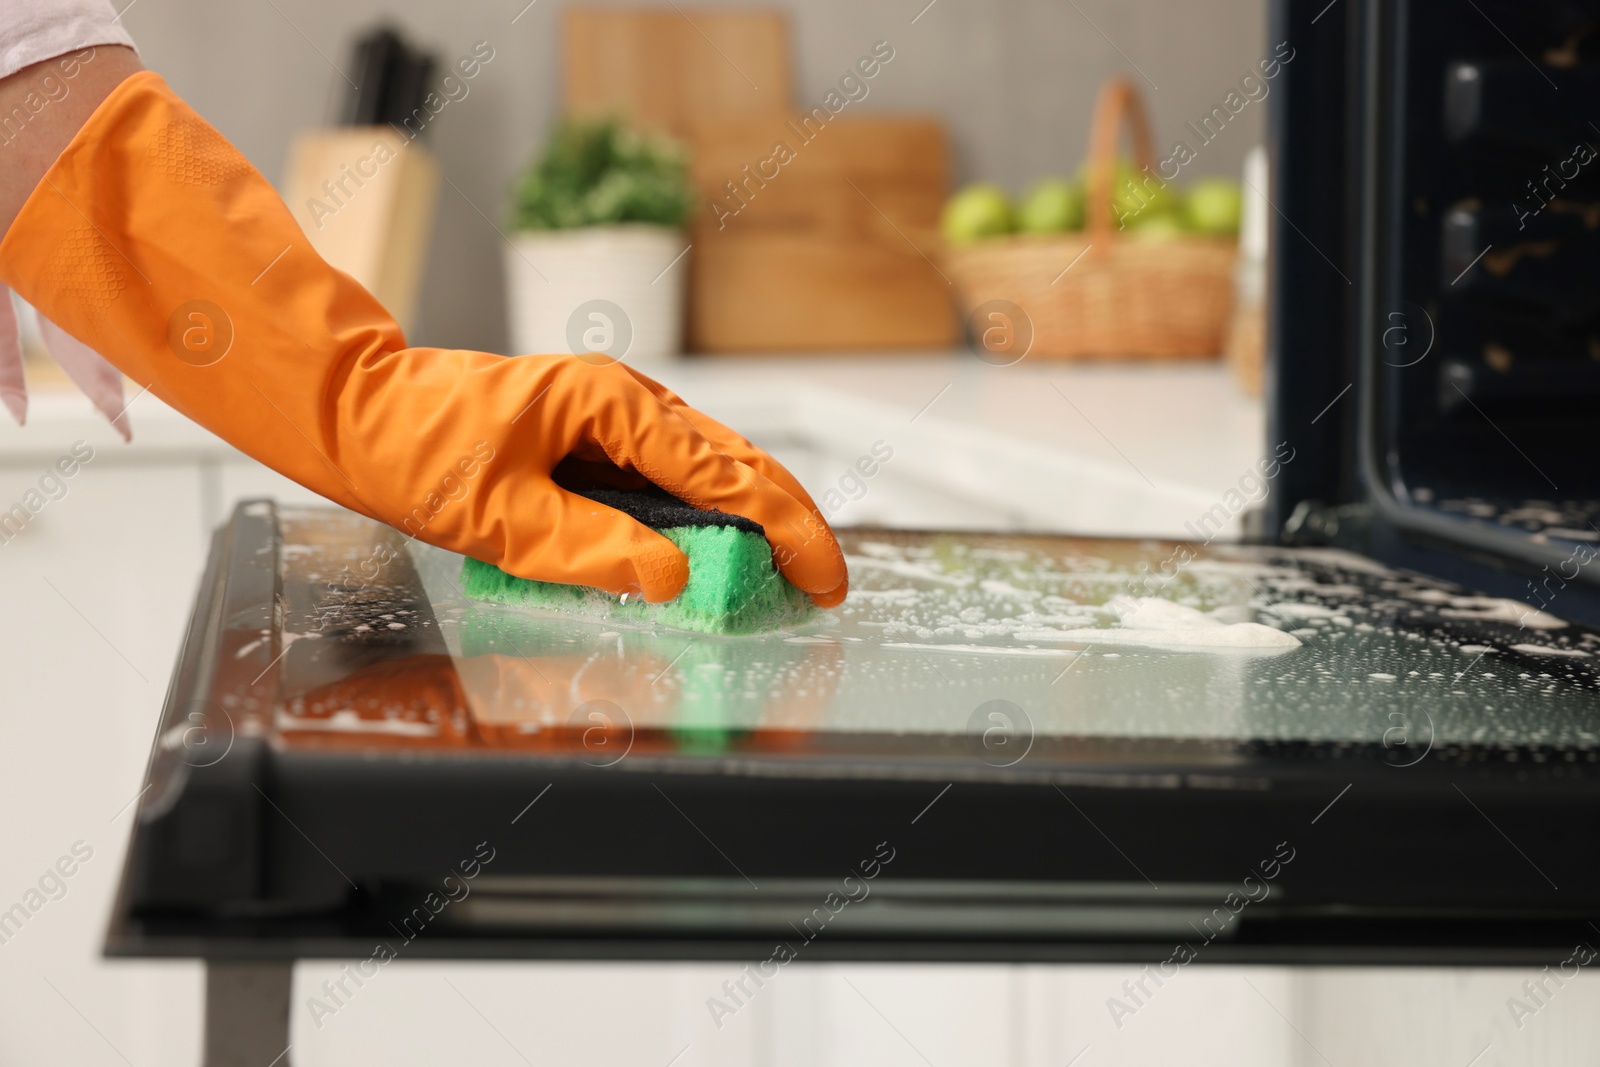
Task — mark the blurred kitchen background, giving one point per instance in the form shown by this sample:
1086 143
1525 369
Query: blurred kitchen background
1012 82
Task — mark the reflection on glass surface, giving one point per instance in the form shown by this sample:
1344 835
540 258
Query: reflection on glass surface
1086 638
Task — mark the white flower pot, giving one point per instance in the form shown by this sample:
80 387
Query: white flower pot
603 292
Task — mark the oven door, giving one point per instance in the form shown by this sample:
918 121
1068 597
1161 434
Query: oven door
1439 280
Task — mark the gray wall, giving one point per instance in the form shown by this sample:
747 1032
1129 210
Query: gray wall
1014 80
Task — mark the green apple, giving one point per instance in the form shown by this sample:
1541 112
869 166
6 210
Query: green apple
1052 205
978 211
1135 193
1151 225
1214 206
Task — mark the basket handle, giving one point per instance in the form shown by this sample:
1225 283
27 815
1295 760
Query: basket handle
1118 103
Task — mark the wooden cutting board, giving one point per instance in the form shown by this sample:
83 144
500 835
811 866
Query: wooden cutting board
821 251
855 175
824 250
786 292
665 68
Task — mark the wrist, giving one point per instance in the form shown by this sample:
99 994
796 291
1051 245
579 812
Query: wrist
43 106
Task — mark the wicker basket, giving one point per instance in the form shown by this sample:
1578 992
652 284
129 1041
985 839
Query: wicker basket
1103 293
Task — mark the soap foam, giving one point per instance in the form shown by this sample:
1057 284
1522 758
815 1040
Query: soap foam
1547 650
1150 622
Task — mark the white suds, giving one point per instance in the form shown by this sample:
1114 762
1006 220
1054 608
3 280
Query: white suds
1546 650
1499 609
907 569
981 650
1150 622
1238 636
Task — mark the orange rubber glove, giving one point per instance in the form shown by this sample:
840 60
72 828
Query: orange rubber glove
153 241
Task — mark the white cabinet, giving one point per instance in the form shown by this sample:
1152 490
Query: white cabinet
97 589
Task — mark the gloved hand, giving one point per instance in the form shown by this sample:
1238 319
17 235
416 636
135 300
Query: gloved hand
154 242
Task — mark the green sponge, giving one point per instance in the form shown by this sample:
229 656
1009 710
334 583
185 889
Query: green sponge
733 587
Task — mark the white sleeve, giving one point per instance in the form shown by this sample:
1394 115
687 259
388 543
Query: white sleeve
32 31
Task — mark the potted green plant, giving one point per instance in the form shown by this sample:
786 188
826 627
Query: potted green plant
597 262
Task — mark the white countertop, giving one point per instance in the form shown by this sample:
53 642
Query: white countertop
1183 428
1094 448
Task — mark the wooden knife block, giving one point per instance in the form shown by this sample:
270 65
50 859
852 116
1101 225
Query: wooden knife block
366 198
